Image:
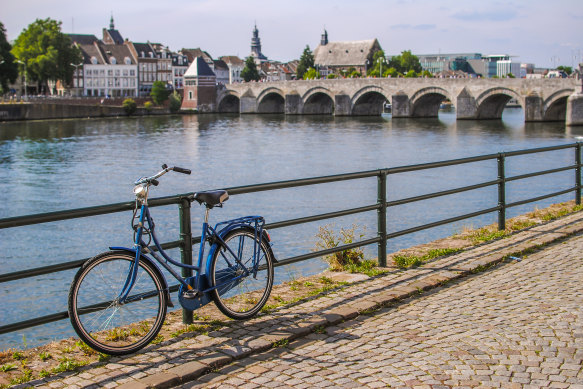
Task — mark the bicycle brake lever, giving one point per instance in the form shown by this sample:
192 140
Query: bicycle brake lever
155 182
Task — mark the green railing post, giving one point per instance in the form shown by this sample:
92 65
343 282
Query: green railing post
185 247
578 174
382 217
501 193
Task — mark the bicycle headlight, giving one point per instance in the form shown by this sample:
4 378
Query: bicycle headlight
140 191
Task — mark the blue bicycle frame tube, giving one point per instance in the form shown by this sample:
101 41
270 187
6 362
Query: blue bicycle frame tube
131 278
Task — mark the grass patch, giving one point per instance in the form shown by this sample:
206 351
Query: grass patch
67 364
24 377
158 339
44 356
281 343
7 367
404 261
368 267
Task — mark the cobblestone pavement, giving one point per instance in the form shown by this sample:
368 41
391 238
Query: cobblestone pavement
519 324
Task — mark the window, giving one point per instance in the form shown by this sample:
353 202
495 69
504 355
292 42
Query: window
189 95
132 72
113 60
127 61
110 72
94 60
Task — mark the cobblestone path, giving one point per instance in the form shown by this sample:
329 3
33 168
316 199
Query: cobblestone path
518 325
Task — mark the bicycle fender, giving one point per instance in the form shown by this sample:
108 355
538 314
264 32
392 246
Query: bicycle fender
222 234
154 266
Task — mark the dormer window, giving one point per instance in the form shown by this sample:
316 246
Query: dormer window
94 60
113 61
127 61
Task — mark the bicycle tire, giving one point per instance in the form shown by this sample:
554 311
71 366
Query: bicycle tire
102 323
236 296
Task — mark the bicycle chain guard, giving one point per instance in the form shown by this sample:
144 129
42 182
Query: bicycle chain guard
194 303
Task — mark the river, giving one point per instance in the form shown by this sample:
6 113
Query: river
54 165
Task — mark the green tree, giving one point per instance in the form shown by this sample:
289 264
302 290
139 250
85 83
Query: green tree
175 102
249 72
311 74
46 53
8 68
391 72
306 62
159 92
379 64
405 62
566 69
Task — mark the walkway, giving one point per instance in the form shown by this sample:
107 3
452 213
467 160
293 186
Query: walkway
519 323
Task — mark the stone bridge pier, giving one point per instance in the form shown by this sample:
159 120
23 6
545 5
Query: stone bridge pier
473 99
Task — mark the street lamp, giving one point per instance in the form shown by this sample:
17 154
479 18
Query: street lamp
380 60
366 63
25 80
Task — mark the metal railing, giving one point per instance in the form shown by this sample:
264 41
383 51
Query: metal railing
186 241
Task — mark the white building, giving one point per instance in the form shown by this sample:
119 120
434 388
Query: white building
236 66
109 71
506 66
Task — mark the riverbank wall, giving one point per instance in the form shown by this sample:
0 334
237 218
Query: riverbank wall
34 111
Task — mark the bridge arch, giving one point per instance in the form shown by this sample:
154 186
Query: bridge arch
229 102
271 100
368 101
491 102
318 101
555 106
425 102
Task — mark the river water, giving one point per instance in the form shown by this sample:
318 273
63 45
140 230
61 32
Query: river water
54 165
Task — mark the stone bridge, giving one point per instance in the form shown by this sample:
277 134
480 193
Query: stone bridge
541 99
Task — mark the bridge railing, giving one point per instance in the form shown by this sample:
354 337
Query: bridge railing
186 241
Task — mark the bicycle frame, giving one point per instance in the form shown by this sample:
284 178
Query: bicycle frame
201 283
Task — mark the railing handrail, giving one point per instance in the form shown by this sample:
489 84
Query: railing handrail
187 241
47 217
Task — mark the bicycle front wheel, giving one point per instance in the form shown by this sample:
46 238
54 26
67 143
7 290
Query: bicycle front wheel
101 320
242 280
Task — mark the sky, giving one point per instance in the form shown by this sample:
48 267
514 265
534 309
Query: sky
546 33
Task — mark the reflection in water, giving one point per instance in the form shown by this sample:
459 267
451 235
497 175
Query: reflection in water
54 165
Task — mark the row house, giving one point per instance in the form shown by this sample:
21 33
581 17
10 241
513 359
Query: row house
153 65
235 66
219 67
109 70
180 64
276 71
116 67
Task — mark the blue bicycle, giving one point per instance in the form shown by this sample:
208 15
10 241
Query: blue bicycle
118 299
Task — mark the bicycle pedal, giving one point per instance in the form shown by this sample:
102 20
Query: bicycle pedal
192 294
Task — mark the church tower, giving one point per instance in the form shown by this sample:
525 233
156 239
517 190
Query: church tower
324 39
256 47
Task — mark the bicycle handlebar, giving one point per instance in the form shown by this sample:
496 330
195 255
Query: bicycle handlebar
165 169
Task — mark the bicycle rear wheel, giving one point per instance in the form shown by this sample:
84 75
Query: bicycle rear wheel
240 292
104 323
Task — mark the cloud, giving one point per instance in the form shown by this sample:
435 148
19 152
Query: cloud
422 27
485 16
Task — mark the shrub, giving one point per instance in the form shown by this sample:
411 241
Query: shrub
129 106
175 102
148 106
331 76
341 259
